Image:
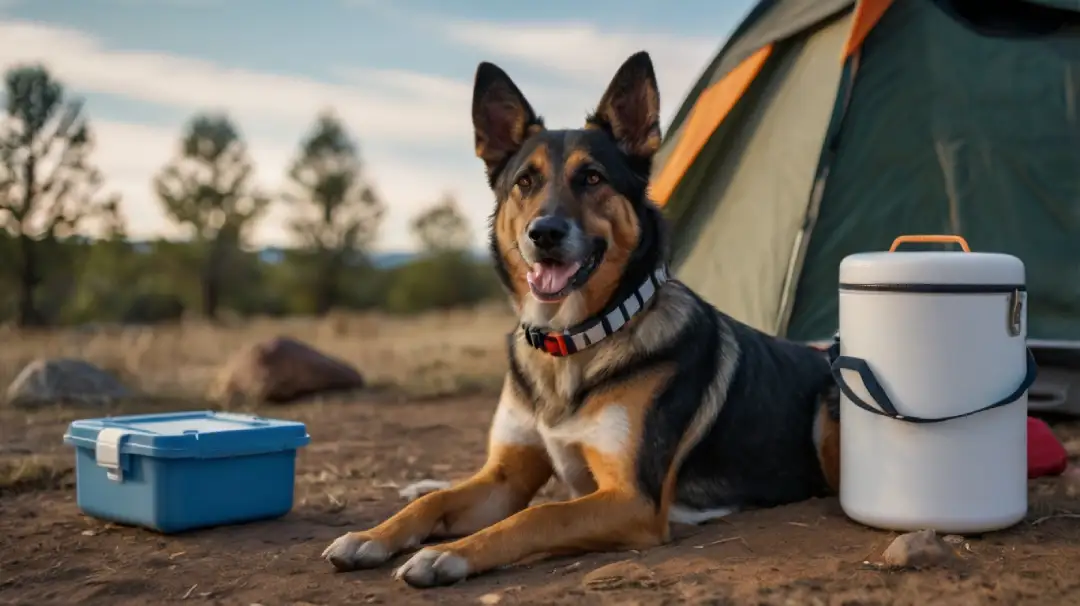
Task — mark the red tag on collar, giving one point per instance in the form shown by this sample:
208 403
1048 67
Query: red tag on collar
555 344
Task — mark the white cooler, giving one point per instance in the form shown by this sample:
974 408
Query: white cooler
932 362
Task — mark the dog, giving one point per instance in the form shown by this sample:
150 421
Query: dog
647 402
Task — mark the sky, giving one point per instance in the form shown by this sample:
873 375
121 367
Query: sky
397 72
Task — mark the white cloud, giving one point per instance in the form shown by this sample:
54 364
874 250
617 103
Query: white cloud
414 128
87 65
587 55
131 154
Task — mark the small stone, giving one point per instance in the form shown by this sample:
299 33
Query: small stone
1072 447
1071 479
920 549
51 381
88 533
568 569
953 539
619 574
490 598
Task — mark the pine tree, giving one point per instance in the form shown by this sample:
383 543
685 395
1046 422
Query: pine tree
48 187
336 211
208 189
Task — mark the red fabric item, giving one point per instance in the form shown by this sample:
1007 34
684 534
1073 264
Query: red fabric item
1046 454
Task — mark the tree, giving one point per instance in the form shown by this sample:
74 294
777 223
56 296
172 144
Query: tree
47 185
336 210
208 189
442 228
446 275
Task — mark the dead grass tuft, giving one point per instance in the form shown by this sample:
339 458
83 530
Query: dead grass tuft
28 473
430 355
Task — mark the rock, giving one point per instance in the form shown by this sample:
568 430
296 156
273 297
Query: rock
1072 447
489 599
1071 478
48 381
626 573
282 370
920 549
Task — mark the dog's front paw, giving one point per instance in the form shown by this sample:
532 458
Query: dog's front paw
355 551
430 567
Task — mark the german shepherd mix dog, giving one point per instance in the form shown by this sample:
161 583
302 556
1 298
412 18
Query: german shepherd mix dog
651 405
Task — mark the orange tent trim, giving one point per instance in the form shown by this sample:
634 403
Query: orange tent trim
708 112
717 101
867 15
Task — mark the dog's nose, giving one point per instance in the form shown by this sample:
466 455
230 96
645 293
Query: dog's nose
548 232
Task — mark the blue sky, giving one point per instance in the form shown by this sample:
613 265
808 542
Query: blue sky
398 72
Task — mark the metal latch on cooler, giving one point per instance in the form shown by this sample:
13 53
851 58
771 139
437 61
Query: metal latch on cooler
1016 306
107 452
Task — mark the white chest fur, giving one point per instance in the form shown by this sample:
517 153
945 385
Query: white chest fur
607 432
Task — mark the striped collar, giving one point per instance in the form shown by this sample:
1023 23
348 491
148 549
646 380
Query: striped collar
595 329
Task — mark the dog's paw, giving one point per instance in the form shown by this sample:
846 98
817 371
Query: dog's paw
354 551
430 567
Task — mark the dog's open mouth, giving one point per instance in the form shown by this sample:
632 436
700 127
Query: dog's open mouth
553 280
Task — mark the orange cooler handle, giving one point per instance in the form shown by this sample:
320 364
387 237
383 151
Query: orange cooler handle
943 239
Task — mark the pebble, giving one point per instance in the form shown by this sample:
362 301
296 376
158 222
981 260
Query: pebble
1071 478
920 549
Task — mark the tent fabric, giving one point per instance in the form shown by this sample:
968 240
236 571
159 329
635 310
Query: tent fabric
950 131
768 22
757 195
867 15
923 118
708 112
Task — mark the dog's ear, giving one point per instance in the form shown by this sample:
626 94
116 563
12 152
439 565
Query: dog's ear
630 108
502 118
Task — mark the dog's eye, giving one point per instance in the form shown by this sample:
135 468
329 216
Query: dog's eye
593 177
524 182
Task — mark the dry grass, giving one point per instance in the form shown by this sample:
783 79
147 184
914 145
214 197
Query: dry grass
432 354
32 472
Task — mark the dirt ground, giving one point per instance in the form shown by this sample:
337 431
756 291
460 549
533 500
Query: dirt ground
363 450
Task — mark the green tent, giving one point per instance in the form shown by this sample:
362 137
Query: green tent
824 128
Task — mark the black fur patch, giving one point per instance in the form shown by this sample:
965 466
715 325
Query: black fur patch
696 353
760 451
521 383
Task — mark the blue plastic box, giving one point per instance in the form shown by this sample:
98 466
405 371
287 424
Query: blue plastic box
181 471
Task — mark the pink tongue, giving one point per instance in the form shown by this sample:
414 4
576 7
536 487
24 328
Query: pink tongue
550 279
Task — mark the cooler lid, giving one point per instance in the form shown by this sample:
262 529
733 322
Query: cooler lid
969 270
198 434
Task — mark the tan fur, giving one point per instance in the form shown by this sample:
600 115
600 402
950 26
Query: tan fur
504 485
614 516
827 434
612 217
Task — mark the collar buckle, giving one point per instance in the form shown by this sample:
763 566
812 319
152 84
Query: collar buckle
534 337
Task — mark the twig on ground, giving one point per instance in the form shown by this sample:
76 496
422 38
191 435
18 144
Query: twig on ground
718 542
1073 516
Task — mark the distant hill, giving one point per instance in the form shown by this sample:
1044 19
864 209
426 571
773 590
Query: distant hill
381 260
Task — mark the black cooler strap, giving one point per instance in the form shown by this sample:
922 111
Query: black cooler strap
885 406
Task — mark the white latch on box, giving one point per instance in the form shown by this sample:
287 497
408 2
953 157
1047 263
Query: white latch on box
107 452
